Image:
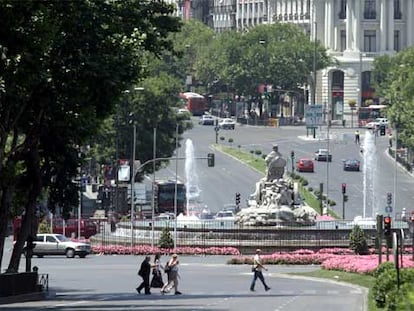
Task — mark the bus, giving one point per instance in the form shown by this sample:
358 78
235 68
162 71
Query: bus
195 103
165 197
370 113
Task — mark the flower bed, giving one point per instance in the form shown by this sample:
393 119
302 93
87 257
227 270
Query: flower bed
146 249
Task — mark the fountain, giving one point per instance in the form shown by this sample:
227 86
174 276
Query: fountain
277 199
370 167
192 189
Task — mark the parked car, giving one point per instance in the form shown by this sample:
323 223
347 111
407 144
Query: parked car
206 119
58 244
377 123
305 165
352 165
227 123
323 155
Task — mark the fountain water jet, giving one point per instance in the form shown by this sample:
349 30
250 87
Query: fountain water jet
192 189
370 167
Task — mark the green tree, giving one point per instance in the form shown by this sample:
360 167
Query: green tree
357 241
64 66
166 239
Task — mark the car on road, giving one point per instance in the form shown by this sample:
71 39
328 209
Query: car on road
206 119
377 123
58 244
305 165
225 215
227 123
352 165
323 155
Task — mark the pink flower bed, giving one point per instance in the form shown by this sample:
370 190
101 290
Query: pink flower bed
147 249
339 259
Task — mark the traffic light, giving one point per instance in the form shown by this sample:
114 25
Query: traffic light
343 188
237 199
389 198
292 154
210 159
382 130
387 226
345 198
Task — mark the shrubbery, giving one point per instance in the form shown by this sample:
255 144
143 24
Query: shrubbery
357 241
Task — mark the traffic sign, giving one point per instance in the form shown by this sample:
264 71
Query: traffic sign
388 209
314 115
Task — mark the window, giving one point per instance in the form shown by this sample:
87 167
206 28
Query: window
369 9
343 41
50 239
342 12
370 41
397 46
397 10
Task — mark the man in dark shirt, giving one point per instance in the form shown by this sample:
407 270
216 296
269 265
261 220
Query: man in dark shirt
145 272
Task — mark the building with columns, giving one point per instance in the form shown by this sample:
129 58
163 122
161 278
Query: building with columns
353 31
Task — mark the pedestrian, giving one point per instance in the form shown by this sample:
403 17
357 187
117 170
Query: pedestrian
144 272
171 268
257 271
357 137
157 281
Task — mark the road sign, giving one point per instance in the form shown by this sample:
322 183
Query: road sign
388 209
314 115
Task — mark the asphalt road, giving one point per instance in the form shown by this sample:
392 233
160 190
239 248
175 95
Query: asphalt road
219 184
207 283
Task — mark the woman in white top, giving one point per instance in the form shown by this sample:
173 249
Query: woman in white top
172 268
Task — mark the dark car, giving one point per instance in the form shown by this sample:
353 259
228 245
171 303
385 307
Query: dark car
352 165
323 155
305 165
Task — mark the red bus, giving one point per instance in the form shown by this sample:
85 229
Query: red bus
165 197
370 113
88 227
195 103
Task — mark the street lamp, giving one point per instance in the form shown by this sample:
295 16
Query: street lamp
134 142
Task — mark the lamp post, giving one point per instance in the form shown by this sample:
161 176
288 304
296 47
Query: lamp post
132 166
134 135
175 187
154 155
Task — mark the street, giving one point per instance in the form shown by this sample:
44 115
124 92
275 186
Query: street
220 183
207 283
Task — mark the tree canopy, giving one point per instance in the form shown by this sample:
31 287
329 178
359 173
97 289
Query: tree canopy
64 67
394 80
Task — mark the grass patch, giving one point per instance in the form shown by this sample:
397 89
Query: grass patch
366 281
252 160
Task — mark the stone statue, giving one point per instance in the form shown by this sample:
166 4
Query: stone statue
275 196
275 165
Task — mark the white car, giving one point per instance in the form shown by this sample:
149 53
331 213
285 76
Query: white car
225 215
227 123
377 123
206 120
58 244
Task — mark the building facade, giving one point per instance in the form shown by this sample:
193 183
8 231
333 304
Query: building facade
354 32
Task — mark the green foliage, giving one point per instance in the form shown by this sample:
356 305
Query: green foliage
357 241
394 77
258 152
386 292
166 240
231 140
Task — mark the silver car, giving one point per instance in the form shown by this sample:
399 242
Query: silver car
58 244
